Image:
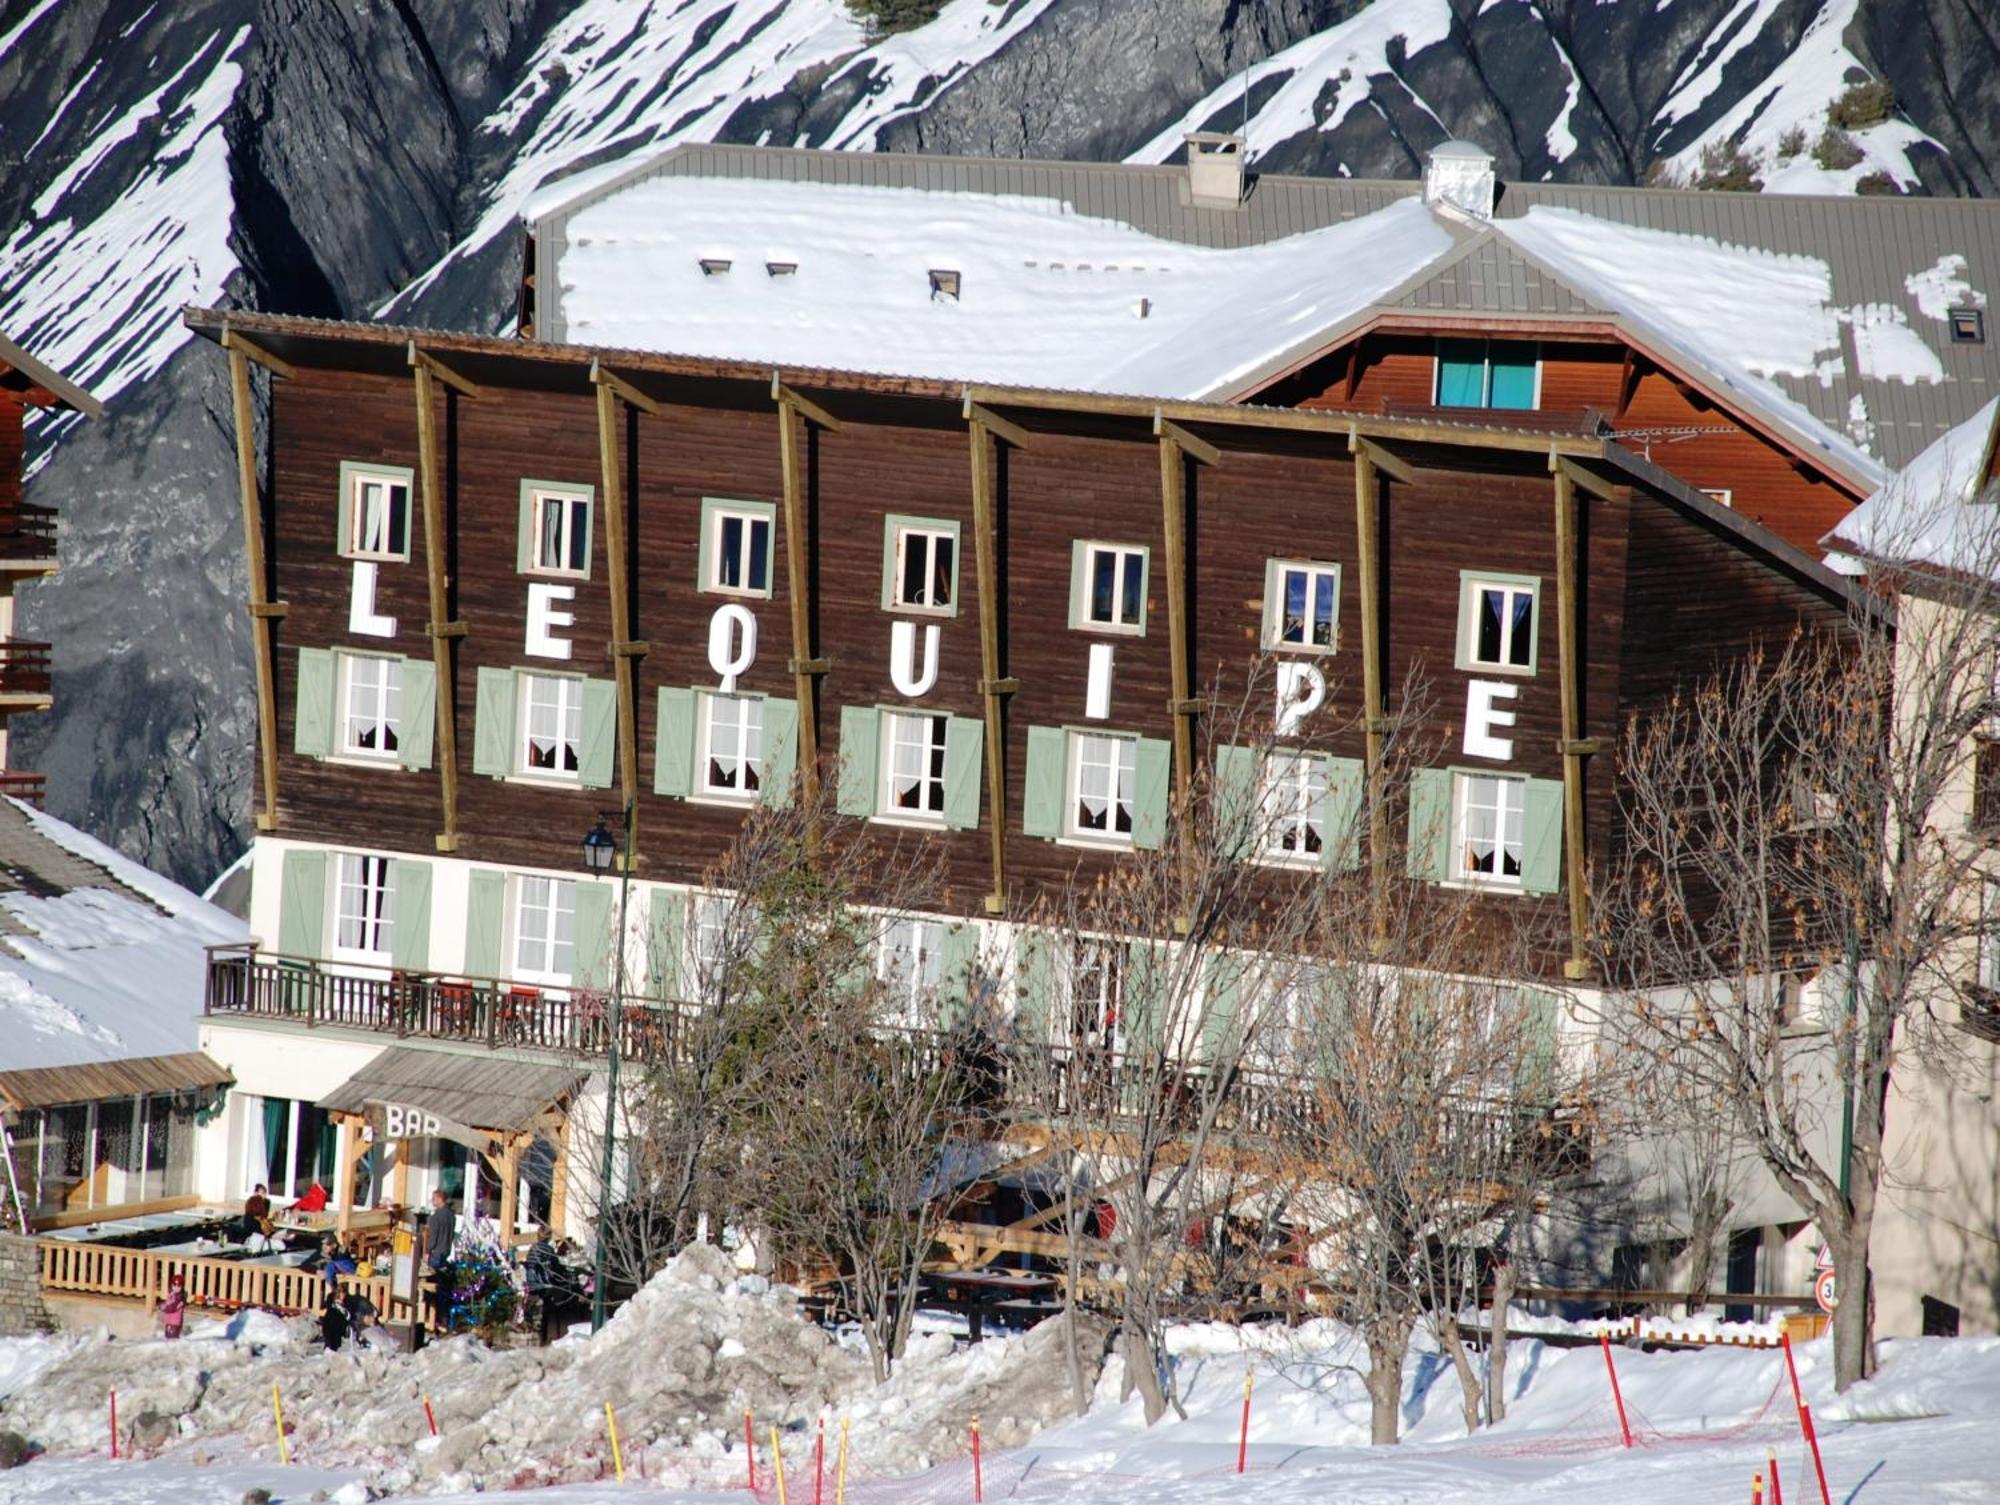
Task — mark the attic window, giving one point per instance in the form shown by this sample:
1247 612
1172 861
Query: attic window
714 266
944 283
780 268
1968 326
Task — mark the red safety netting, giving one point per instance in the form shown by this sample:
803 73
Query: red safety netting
1596 1427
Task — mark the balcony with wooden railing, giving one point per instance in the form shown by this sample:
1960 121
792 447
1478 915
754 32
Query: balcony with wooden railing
25 680
29 788
226 1285
28 538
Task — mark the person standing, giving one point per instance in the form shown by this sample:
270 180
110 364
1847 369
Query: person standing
173 1310
440 1234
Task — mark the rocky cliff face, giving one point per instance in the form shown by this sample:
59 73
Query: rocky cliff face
320 157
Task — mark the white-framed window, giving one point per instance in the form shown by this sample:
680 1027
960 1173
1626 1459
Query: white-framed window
1989 936
1103 773
1487 374
371 705
551 725
913 765
921 559
910 966
1723 494
732 745
558 539
736 547
1096 994
1108 588
1292 827
1302 612
1497 622
707 944
1488 828
377 508
364 907
544 930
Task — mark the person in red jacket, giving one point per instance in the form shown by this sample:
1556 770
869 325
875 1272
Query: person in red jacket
173 1311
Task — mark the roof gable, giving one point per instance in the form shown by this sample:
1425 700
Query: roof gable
1488 276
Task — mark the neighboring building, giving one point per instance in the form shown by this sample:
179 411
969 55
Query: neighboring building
102 1082
1784 354
27 546
440 720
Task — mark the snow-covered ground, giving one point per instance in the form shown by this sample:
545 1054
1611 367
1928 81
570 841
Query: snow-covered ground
682 1364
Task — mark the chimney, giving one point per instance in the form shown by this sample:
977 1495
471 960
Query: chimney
1215 169
1459 176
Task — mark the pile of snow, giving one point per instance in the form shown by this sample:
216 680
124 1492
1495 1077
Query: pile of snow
1929 512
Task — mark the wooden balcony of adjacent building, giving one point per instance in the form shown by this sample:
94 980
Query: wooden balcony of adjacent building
25 680
27 539
29 788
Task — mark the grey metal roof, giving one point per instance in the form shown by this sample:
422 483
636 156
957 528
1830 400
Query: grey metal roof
481 1092
1870 245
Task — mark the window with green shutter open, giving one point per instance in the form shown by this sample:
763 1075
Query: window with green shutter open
1292 823
1103 780
551 725
913 765
364 908
544 930
732 746
371 699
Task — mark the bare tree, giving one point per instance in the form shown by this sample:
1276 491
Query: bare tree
1803 816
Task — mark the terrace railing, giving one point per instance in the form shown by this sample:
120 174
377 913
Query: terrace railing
31 788
24 668
27 534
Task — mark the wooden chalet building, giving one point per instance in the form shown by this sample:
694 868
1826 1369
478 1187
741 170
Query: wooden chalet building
27 546
500 586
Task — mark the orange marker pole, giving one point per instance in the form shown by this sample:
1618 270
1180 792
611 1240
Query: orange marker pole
1624 1427
819 1464
978 1486
1243 1433
1756 1489
750 1448
840 1472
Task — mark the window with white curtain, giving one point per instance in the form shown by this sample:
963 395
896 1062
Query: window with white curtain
371 704
913 770
1103 774
551 724
1293 824
910 966
545 930
1489 830
732 756
364 912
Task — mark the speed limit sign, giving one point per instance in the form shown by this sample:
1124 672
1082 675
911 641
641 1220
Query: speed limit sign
1826 1292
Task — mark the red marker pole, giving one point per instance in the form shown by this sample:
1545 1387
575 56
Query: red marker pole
819 1463
1812 1441
1624 1427
1777 1489
1791 1368
114 1423
750 1448
430 1416
978 1484
1243 1433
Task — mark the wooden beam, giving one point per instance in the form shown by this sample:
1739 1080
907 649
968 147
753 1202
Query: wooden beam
792 439
510 1177
1367 533
993 687
1587 481
1192 445
443 656
437 368
997 426
345 1164
236 344
1388 462
559 1180
622 660
812 411
1578 965
601 376
1628 382
260 602
1173 521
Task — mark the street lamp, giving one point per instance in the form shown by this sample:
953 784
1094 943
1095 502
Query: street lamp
599 847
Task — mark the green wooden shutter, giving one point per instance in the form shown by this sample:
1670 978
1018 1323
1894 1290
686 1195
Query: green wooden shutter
958 956
302 904
860 740
416 730
312 719
1542 836
780 752
1152 773
1042 792
593 934
1346 798
1145 996
1430 824
964 741
666 941
410 935
1222 999
485 923
1034 981
493 723
599 732
1537 1023
673 743
1235 801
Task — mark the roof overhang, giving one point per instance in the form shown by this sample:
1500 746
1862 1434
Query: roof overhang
57 388
409 1093
95 1081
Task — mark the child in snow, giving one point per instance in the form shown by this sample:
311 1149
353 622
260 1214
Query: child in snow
173 1311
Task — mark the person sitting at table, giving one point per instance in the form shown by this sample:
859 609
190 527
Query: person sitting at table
256 1213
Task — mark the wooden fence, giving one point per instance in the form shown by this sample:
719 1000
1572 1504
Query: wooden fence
224 1284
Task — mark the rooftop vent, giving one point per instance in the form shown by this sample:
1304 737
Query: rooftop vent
780 268
1968 326
1215 169
714 266
944 283
1459 175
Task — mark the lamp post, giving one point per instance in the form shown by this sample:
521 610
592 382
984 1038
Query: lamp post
599 847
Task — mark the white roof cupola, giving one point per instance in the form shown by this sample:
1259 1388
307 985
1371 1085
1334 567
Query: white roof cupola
1459 175
1215 169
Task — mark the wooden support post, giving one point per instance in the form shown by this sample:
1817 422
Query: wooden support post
262 609
401 1195
559 1179
793 414
510 1183
623 649
344 1164
1573 747
443 631
1177 447
1367 539
994 686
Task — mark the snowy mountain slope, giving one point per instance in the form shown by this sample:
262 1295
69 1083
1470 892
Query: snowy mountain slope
336 159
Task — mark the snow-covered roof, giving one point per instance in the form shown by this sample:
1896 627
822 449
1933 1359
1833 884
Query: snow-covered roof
1939 511
100 958
1825 319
